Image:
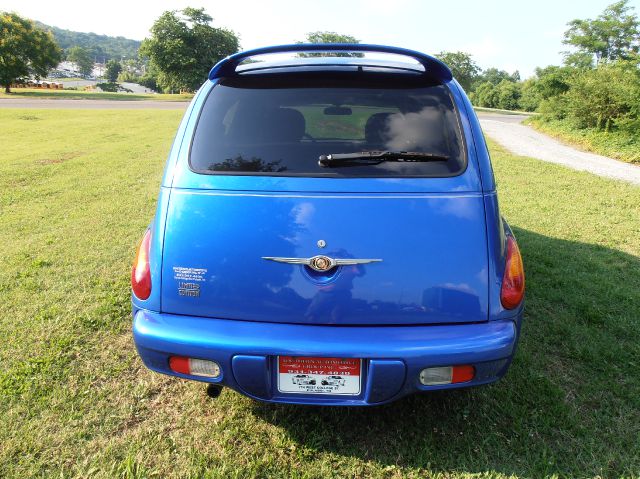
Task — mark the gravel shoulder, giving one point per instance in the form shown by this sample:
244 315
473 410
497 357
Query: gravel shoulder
523 140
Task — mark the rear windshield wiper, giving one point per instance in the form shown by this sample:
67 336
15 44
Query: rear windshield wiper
376 157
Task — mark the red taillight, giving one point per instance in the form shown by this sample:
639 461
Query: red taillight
141 272
179 364
513 281
462 374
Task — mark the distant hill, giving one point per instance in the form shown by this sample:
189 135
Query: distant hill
103 47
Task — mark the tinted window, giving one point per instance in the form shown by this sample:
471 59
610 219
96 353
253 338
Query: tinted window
280 126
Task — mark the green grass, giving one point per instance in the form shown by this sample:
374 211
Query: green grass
91 95
77 402
616 144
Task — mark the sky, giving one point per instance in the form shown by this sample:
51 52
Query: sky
506 34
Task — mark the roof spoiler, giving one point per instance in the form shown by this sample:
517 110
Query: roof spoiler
433 67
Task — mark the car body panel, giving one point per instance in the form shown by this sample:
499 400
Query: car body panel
427 274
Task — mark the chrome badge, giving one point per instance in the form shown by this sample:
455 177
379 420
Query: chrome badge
321 263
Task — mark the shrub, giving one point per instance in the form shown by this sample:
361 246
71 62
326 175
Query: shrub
605 97
127 76
553 80
486 95
150 81
508 95
113 87
553 108
108 87
530 97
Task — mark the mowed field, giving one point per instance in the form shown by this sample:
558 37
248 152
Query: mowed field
39 93
77 189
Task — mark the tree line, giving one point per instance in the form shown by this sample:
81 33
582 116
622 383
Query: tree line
598 84
101 48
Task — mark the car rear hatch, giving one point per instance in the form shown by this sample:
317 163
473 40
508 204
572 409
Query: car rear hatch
249 205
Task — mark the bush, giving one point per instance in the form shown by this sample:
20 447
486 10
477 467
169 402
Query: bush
149 81
504 95
605 97
108 87
129 77
486 95
553 81
554 108
530 97
113 88
508 95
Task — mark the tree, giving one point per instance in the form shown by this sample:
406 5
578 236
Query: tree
553 81
508 93
495 76
613 35
184 46
83 60
485 95
24 50
113 70
582 60
530 96
462 66
101 47
330 37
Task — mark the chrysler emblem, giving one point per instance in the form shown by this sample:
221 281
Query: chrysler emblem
321 263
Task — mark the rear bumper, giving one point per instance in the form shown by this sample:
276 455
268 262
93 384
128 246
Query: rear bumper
393 356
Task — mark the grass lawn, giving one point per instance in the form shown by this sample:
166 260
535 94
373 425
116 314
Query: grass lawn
614 144
77 402
91 95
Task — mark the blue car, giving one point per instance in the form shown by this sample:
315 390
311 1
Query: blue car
330 213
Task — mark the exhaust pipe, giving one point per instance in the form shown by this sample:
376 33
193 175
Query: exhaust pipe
214 390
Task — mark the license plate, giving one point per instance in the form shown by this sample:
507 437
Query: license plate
307 375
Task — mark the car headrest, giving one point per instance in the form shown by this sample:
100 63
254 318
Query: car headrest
376 129
285 124
267 125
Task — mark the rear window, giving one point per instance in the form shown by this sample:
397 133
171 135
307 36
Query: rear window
280 126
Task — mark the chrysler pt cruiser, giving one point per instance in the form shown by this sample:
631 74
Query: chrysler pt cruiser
329 213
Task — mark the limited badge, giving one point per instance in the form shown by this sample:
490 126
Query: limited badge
189 280
191 290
